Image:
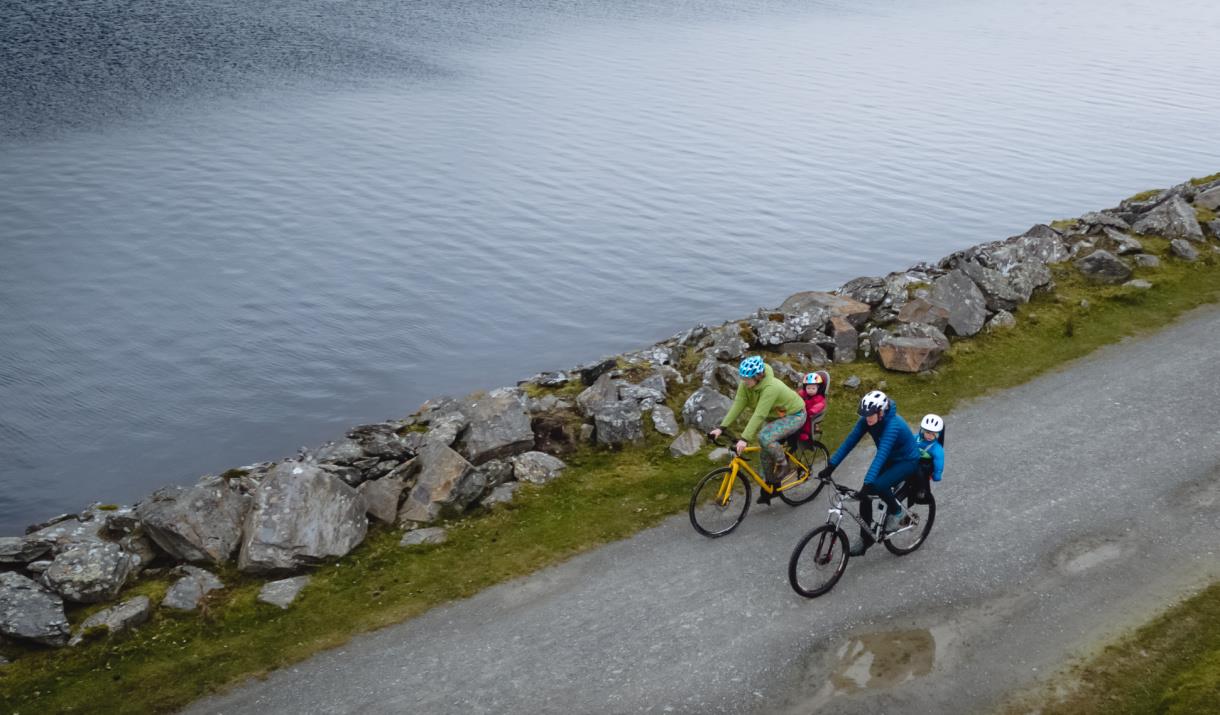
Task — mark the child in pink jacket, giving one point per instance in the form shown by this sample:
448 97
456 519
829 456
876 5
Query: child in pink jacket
813 392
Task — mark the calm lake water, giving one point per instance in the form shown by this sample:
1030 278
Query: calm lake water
229 229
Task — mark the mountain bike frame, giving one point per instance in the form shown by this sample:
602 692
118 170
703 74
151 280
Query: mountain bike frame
738 464
838 509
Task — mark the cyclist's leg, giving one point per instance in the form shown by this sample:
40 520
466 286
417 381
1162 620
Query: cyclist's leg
889 478
769 438
867 492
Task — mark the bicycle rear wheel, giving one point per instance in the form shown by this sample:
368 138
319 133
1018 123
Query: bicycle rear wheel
715 511
912 536
815 457
818 561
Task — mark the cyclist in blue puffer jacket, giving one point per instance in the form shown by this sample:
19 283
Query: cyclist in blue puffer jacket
897 458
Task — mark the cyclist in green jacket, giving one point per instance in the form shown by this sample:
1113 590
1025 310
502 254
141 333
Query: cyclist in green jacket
770 399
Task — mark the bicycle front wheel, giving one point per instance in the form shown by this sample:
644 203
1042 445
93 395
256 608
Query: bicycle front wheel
818 561
719 502
915 528
815 457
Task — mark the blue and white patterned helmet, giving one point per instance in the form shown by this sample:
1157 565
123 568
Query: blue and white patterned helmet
872 403
752 366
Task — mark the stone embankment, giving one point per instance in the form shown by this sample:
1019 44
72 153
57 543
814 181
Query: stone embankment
275 520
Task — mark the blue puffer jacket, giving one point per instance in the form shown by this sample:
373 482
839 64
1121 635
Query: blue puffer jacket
893 437
936 452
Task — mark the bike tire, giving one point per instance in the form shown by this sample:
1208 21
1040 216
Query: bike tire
822 547
900 544
816 456
713 520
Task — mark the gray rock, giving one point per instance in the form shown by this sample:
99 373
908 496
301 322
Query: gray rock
382 441
909 354
587 433
1103 267
1214 226
852 383
200 523
965 302
446 430
89 572
997 290
501 494
30 612
663 420
1120 243
725 343
603 391
1028 277
537 467
720 455
1146 260
687 444
809 352
1173 218
1138 283
618 423
769 333
846 338
1002 320
922 310
66 533
301 516
499 427
188 591
345 451
590 374
919 330
1209 199
283 592
447 484
496 472
16 550
866 289
125 616
1182 249
704 409
787 373
553 379
854 311
38 566
418 537
1095 218
644 395
381 497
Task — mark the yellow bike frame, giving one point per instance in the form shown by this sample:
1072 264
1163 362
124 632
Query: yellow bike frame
738 464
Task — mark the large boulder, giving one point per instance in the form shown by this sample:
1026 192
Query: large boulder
1103 267
301 516
1099 220
16 550
846 339
188 591
922 310
919 330
725 343
617 423
663 421
854 311
603 391
909 354
810 352
965 302
125 616
88 572
30 612
997 290
1173 218
1182 249
499 427
446 485
1209 199
283 592
537 467
1120 243
381 497
866 289
200 523
704 409
688 443
446 429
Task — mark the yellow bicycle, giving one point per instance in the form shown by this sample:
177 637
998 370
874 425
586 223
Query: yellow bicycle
721 499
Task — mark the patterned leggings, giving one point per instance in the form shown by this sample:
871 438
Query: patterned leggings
769 438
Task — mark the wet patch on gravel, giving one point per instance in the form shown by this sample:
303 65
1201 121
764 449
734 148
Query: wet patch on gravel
1080 556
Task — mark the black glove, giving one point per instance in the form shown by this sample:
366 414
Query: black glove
825 473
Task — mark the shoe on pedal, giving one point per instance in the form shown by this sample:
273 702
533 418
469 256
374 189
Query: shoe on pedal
893 522
857 549
764 497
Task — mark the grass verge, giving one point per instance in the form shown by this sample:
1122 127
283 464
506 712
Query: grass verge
1169 666
602 497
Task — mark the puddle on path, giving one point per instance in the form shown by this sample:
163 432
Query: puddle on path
881 660
1076 558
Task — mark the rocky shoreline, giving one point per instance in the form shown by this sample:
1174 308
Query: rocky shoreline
276 520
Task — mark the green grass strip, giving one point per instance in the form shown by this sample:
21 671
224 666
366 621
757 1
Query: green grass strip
602 497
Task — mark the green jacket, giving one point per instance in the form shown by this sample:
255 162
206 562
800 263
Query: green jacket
770 399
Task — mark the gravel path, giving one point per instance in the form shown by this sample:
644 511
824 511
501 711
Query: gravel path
1072 507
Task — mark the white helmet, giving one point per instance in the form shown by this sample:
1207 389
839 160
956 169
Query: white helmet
932 423
872 403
